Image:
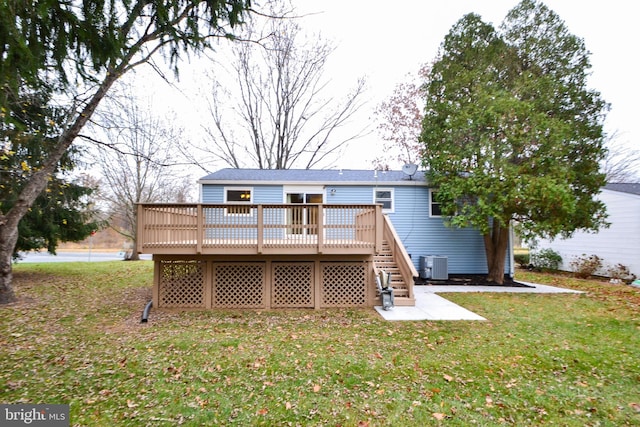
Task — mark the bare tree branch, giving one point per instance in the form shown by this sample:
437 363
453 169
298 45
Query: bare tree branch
401 122
272 114
137 160
622 163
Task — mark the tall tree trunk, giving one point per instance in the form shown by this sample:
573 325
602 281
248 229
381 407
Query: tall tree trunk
135 256
36 184
8 239
495 246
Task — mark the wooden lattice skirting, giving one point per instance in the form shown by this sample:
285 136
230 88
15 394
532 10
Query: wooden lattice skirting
263 284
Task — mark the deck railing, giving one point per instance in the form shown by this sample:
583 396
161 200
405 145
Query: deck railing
403 261
259 228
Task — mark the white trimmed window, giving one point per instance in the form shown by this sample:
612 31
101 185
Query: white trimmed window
236 196
384 196
435 210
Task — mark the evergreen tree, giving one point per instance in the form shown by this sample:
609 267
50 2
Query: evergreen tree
511 132
62 212
83 47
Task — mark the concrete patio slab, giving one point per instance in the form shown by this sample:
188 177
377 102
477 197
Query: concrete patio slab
534 288
430 306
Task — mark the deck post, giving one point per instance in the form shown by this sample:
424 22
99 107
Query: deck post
260 236
200 229
317 285
320 231
267 284
379 229
155 293
208 284
140 228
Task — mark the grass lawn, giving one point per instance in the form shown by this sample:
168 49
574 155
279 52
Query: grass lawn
75 338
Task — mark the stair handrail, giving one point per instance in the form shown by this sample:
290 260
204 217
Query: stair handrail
400 255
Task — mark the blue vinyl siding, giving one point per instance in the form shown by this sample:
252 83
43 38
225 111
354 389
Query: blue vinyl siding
267 194
212 194
424 235
349 194
420 233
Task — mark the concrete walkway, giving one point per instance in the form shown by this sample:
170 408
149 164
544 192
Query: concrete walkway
430 306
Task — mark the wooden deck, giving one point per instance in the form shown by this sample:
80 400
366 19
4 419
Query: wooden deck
271 255
243 229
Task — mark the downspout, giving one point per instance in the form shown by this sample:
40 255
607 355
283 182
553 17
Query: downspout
145 312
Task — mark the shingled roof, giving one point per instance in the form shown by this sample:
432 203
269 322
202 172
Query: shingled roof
310 176
624 187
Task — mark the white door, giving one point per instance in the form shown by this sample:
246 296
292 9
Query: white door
299 218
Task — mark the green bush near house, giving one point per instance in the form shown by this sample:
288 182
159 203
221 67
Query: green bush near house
522 260
75 337
546 259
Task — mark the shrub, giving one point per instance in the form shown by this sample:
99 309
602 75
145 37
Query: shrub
585 266
546 259
522 260
621 272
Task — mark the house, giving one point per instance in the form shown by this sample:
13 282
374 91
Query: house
617 244
302 238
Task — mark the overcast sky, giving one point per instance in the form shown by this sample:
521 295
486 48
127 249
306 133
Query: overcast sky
385 41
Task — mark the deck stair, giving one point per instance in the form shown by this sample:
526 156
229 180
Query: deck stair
385 261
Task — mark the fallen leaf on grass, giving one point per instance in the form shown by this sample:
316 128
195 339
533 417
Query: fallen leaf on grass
202 402
489 401
439 416
316 388
448 378
635 406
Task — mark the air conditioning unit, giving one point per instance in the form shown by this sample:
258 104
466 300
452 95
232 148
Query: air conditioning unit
435 267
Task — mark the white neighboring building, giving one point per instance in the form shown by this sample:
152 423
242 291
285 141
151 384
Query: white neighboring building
618 244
